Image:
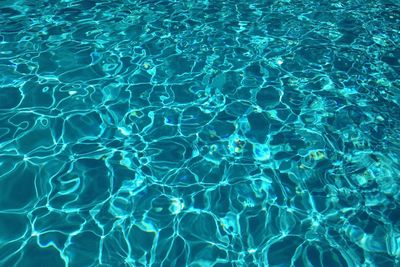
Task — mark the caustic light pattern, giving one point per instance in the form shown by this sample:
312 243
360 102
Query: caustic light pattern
199 133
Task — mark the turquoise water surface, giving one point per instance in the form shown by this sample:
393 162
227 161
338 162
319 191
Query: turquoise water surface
199 133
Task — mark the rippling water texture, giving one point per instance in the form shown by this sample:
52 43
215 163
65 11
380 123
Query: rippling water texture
199 133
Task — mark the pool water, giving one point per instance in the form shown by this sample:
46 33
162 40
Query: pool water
199 133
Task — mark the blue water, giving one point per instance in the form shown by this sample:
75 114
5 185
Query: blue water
199 133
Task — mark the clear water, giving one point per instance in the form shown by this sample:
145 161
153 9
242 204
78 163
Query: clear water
199 133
